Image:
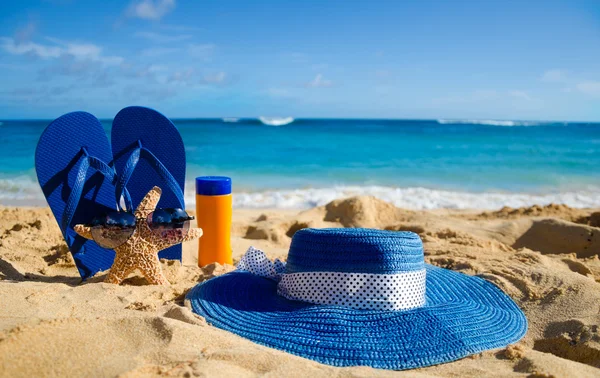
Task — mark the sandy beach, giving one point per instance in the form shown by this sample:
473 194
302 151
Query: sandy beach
51 324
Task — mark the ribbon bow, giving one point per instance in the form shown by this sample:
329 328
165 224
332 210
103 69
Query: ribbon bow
256 262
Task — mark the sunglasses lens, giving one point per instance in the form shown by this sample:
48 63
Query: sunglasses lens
179 215
113 230
169 223
160 216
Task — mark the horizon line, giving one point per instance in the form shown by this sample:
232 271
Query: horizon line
457 120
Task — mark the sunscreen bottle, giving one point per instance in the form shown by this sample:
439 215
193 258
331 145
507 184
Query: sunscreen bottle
213 212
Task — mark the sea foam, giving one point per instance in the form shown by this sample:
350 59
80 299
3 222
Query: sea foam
410 198
489 122
21 191
25 191
230 120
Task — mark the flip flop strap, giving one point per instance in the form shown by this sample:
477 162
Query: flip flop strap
156 164
77 189
109 172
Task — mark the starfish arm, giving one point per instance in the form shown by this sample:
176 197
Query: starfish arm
193 233
84 231
152 270
178 237
119 270
148 203
114 277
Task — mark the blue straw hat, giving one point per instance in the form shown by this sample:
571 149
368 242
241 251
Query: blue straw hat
351 297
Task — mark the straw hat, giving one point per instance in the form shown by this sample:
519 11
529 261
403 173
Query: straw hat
351 297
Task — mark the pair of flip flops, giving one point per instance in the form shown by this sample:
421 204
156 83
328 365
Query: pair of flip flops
82 176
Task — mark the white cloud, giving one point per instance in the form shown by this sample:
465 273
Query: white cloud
180 28
87 50
216 78
112 60
182 76
25 33
56 41
151 10
67 65
80 51
190 77
522 95
203 51
150 71
157 68
30 48
554 76
589 87
162 38
319 82
572 84
158 51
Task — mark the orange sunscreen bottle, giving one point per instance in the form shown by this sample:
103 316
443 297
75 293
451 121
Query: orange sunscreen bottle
213 212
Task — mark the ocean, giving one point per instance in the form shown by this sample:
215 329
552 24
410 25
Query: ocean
415 164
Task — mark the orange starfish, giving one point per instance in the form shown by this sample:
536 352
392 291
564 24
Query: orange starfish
141 249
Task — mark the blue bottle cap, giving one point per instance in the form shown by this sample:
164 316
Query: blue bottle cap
213 185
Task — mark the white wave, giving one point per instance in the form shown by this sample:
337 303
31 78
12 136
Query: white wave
276 121
21 191
230 119
25 191
489 122
409 198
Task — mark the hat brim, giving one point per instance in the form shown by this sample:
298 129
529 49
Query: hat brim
463 315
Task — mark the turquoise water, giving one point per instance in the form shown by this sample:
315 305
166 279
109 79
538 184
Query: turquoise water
417 164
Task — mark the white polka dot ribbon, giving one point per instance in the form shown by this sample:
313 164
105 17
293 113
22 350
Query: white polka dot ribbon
256 262
400 291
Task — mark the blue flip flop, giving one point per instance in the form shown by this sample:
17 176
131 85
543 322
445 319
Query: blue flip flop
148 151
70 162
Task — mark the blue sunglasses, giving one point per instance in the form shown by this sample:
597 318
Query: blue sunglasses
114 228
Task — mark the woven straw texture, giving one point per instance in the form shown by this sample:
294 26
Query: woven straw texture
463 315
356 250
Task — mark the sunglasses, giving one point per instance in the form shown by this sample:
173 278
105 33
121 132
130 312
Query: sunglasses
114 229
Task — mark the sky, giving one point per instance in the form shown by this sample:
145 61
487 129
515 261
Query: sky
523 60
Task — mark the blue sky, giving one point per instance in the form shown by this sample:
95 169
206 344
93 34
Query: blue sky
384 59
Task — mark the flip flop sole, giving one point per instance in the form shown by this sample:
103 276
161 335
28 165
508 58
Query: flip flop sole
57 159
160 136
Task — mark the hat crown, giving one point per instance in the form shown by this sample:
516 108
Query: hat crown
355 250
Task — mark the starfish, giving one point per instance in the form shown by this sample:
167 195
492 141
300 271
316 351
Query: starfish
141 249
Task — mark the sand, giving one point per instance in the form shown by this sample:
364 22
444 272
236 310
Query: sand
545 258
